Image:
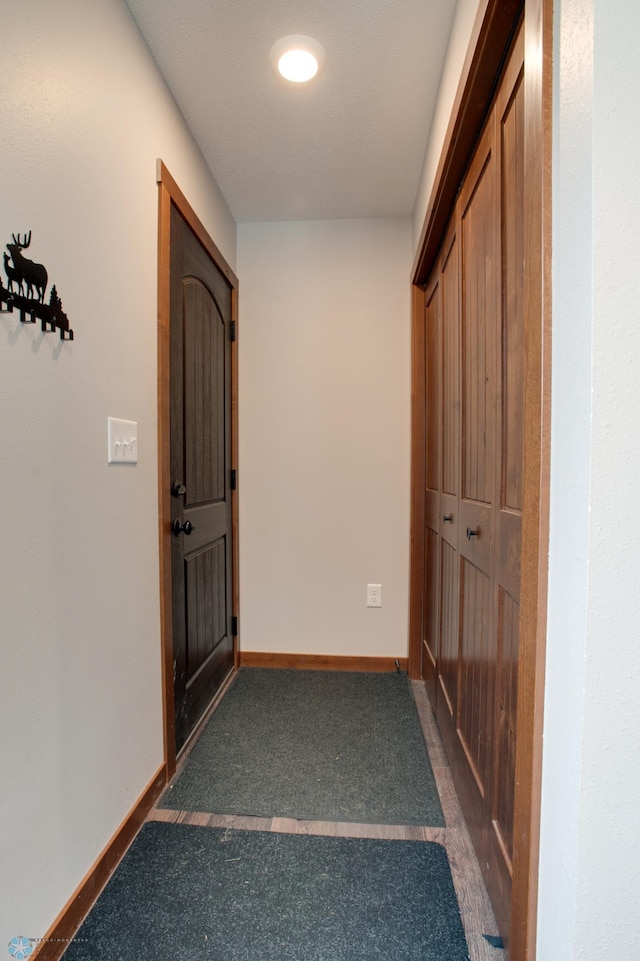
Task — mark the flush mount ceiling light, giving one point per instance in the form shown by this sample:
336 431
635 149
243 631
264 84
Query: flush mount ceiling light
297 58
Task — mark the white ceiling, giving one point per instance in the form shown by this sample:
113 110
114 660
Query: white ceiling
349 144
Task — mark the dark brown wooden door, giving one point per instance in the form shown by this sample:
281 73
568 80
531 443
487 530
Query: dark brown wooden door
433 393
442 408
479 372
510 148
449 519
202 556
474 373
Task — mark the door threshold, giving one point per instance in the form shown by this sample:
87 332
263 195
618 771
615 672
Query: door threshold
478 919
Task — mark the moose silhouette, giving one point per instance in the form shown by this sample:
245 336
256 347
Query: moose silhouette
12 275
24 278
34 276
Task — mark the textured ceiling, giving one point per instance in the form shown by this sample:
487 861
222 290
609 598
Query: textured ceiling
349 144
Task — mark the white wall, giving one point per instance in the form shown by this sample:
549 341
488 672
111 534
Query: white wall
590 847
84 116
461 28
571 429
324 435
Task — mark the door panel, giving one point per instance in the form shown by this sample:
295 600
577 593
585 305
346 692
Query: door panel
479 323
510 114
509 540
206 604
450 426
449 519
448 661
433 386
202 560
512 222
479 320
506 704
432 607
475 534
204 395
476 707
432 321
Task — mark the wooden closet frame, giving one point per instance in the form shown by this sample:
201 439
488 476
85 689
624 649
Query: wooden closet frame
493 29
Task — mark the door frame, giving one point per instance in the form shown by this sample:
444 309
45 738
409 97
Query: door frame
493 28
169 193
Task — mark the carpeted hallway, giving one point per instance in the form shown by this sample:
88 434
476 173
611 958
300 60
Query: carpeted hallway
314 819
312 745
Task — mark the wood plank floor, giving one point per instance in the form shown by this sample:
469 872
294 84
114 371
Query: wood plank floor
475 909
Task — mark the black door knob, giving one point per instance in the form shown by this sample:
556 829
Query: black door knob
447 518
178 489
179 528
471 533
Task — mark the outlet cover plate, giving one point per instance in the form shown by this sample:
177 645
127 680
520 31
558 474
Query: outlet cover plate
374 595
122 436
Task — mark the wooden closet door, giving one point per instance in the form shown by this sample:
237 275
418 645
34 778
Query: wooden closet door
480 313
474 362
433 406
449 518
442 404
510 119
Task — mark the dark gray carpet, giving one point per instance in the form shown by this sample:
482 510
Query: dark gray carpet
318 745
186 893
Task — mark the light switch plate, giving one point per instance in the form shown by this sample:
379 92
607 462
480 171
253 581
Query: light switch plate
122 436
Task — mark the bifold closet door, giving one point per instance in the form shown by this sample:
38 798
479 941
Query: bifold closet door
449 512
433 407
480 323
510 120
474 371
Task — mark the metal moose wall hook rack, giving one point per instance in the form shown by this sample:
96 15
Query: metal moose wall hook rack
26 289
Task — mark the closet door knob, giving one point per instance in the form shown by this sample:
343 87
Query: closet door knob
471 533
447 518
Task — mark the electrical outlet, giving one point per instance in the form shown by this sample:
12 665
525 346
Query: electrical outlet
123 441
374 595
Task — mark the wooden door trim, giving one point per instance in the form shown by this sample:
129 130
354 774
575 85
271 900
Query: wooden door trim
494 25
536 474
492 31
169 193
418 454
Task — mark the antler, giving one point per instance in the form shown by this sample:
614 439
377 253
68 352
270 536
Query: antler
23 244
